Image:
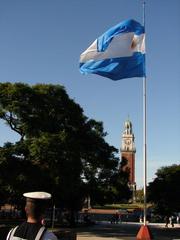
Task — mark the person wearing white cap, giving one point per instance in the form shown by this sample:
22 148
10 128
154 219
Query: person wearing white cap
33 229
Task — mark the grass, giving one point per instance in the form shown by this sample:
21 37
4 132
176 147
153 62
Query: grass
121 206
126 206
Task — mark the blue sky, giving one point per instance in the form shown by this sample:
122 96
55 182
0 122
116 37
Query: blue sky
41 41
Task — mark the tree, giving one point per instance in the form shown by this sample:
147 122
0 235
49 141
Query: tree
140 195
164 191
41 108
19 174
60 150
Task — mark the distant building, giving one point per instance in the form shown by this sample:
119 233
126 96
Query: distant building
128 151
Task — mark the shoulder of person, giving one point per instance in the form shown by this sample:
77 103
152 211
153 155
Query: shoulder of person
11 232
49 236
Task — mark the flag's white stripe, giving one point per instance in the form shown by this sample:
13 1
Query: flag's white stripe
121 46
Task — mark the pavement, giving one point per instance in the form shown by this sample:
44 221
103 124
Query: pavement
127 231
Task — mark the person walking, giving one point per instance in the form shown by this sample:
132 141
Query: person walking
166 221
32 228
177 219
172 220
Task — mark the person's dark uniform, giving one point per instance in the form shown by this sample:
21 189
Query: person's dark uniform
32 229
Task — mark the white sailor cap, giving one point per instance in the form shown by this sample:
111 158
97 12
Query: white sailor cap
38 195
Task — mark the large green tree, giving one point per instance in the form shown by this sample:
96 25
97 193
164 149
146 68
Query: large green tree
60 150
164 191
18 174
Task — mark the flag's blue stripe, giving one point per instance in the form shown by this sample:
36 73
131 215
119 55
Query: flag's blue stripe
121 28
116 68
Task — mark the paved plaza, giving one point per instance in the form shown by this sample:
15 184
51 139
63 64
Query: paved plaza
126 231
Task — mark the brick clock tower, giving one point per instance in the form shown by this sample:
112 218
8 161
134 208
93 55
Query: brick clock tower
128 151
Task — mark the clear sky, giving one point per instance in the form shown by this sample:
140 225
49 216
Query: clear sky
41 41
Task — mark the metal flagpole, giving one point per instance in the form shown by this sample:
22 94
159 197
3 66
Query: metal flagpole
144 130
145 147
144 232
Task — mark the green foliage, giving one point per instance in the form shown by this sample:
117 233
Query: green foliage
164 191
41 108
60 149
140 196
19 174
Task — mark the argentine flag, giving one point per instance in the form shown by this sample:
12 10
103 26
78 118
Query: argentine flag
119 53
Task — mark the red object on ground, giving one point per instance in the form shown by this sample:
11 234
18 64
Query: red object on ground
144 233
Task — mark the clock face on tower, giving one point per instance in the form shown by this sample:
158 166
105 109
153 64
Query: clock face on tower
128 141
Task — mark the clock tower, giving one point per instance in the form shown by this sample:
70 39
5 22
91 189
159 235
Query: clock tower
128 151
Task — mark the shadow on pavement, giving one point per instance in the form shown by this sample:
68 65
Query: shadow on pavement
127 231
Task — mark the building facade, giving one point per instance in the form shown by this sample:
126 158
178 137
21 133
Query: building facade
128 151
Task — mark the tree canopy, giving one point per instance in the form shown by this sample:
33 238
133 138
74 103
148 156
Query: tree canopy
60 150
164 191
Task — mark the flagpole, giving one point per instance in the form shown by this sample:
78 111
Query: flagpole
144 232
144 132
145 147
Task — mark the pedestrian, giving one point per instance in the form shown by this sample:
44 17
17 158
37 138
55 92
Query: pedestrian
177 219
116 217
172 221
166 221
32 228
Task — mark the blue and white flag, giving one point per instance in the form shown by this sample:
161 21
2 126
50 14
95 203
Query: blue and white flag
119 53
